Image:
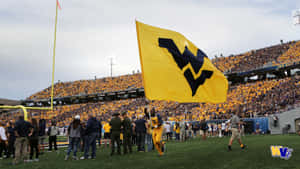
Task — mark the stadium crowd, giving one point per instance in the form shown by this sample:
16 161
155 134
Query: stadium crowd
274 55
255 99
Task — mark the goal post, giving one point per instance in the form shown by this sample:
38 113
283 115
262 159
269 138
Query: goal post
23 108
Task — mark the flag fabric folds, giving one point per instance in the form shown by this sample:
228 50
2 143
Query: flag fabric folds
174 69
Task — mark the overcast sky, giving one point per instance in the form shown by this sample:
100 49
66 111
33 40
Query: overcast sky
92 31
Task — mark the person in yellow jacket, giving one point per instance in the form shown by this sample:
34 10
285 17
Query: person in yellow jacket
106 128
157 126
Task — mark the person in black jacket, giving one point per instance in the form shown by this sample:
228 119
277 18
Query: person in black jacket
203 127
83 136
99 132
34 140
140 128
11 139
23 130
127 131
92 129
42 134
116 125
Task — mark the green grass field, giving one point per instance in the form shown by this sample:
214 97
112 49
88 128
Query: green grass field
193 154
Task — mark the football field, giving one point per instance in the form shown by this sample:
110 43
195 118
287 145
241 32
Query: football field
193 154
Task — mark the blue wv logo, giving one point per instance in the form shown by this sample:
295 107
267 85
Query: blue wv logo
282 152
184 59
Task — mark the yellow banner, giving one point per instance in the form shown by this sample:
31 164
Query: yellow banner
175 69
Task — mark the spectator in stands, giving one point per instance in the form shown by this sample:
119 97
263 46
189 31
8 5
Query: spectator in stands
11 139
92 130
140 128
53 131
34 140
73 133
23 130
3 141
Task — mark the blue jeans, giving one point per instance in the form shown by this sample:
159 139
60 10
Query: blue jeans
149 142
73 145
90 141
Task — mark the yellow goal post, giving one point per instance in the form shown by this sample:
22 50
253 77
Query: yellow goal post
23 108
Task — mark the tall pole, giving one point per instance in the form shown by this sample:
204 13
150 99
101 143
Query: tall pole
54 49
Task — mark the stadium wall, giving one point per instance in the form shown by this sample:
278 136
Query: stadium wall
291 118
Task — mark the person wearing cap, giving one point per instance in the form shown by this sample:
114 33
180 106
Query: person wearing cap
127 132
73 132
116 125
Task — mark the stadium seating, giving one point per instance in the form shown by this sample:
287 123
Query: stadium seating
80 87
256 58
251 99
291 56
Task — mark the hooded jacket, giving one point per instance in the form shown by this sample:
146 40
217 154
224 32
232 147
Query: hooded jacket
92 126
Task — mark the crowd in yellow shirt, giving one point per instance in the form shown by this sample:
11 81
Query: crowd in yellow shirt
255 98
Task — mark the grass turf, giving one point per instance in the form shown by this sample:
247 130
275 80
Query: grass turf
193 154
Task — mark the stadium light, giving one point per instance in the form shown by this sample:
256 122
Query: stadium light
296 17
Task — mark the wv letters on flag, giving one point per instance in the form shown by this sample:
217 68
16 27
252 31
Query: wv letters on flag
282 152
186 58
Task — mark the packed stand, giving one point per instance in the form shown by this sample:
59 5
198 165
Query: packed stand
84 87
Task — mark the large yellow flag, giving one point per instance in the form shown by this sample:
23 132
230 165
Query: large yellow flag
175 69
